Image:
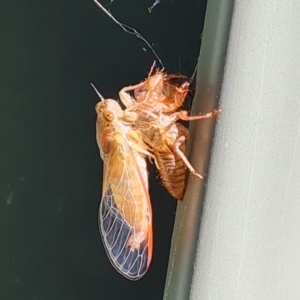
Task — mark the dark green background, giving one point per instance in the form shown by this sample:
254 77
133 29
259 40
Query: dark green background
50 170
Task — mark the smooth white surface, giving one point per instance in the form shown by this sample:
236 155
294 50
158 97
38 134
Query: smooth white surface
249 245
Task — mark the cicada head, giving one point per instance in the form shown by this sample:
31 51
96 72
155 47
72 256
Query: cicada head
176 87
108 112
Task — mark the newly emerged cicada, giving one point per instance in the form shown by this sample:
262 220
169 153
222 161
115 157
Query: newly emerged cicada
157 102
125 216
147 127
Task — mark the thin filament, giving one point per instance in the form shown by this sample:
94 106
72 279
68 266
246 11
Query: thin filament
129 30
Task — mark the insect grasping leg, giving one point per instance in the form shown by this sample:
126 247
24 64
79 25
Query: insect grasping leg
176 149
125 97
184 116
149 154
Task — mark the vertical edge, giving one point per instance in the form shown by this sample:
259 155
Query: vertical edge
208 85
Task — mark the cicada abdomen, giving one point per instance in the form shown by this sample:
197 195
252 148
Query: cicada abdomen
172 169
125 216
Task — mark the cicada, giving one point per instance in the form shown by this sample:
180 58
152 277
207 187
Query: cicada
147 127
125 216
157 102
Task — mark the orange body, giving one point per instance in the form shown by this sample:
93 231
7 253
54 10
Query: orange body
125 216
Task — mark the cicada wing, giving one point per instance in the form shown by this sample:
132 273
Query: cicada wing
116 232
125 218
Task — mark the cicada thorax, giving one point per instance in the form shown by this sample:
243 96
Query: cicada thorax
125 215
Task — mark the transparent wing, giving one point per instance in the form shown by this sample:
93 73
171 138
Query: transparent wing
116 232
125 217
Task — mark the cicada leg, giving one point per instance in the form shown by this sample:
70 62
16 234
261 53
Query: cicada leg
151 157
125 97
182 115
176 149
143 150
179 141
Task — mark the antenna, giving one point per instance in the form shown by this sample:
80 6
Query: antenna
97 92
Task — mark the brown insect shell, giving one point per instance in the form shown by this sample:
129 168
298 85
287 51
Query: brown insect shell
163 90
152 89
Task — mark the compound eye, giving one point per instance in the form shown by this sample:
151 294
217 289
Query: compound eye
108 115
